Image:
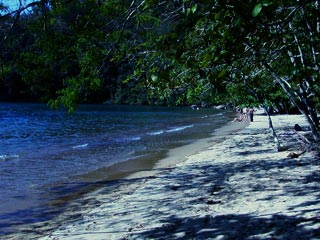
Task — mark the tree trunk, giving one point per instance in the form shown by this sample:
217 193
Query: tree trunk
292 96
265 108
275 136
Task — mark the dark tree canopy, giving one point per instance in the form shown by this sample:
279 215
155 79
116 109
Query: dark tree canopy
163 52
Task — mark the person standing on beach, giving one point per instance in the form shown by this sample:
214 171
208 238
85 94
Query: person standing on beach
244 113
250 111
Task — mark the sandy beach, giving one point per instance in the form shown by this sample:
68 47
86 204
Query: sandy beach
239 187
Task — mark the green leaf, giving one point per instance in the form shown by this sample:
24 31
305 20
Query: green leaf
258 7
194 8
217 16
222 74
256 10
266 3
154 77
188 11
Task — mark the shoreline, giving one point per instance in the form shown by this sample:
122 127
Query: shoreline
118 179
236 188
180 154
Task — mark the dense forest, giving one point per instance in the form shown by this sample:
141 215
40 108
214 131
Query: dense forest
168 52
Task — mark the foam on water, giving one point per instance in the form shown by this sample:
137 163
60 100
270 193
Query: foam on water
177 129
80 146
8 157
156 133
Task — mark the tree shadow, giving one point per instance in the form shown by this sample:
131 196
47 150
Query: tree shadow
234 227
241 226
209 184
216 183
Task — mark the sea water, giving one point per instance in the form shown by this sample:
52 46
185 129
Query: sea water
45 154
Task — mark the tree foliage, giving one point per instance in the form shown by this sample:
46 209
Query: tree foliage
257 52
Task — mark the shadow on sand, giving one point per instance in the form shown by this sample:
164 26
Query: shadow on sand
235 227
210 185
302 222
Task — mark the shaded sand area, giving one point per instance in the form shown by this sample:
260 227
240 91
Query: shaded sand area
240 187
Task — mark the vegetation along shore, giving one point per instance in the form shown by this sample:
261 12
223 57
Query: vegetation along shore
262 182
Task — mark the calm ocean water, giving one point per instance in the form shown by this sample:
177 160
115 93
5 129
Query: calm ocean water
45 154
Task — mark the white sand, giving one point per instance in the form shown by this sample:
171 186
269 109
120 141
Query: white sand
241 188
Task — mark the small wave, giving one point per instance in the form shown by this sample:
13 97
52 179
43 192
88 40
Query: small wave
80 146
8 157
156 133
134 138
217 114
128 139
212 115
177 129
